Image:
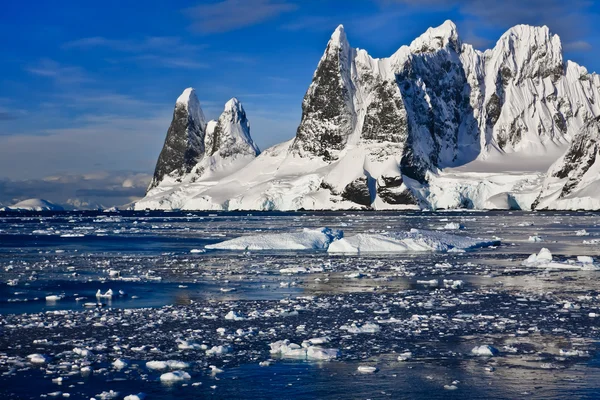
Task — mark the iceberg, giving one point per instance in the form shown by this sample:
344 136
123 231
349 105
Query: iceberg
307 239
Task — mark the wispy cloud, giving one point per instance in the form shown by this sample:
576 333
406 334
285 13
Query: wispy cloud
230 15
163 44
160 51
167 61
578 45
58 72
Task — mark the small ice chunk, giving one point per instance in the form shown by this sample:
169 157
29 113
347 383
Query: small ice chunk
485 350
231 315
218 350
319 353
366 328
120 363
139 396
535 239
175 376
37 358
407 355
107 295
365 369
215 370
452 226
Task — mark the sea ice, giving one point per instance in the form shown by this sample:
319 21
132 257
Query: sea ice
37 358
413 240
364 369
175 376
485 350
544 260
316 239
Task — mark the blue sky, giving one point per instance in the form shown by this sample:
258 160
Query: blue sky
87 88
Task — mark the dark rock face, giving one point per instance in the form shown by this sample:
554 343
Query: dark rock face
231 134
390 190
358 192
439 113
385 118
327 116
582 154
183 148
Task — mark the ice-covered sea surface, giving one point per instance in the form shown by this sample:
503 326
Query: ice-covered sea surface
299 305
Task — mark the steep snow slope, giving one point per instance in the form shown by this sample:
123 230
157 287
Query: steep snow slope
436 125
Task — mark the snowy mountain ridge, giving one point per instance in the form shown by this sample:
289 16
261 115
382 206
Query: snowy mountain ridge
436 125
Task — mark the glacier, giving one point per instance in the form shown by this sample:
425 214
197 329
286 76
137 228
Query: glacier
437 125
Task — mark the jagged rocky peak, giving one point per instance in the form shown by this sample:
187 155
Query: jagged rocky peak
327 109
526 51
437 38
230 134
184 144
338 39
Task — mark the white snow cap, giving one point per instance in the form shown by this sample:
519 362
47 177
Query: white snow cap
338 38
436 38
188 95
234 106
190 101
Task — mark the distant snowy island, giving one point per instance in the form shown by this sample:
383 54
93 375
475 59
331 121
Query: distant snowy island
438 125
33 205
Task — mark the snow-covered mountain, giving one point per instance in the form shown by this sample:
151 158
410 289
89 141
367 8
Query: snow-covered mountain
436 125
33 205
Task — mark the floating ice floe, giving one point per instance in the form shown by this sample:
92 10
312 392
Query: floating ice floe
139 396
335 242
574 353
54 297
301 270
451 226
218 350
120 364
453 284
307 239
232 315
413 240
107 295
535 239
111 394
582 232
366 328
82 352
164 365
286 349
189 345
544 259
37 358
175 376
364 369
485 351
